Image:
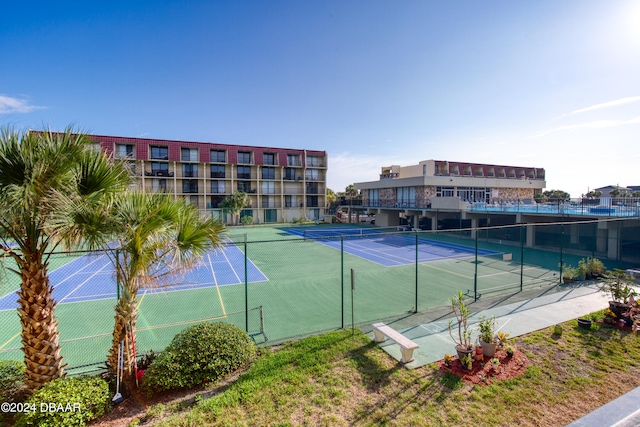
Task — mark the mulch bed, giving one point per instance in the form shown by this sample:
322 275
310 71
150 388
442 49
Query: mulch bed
483 372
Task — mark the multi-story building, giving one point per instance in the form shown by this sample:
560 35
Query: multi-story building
444 185
282 183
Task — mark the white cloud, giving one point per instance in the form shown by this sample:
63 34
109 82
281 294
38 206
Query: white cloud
10 105
607 104
596 124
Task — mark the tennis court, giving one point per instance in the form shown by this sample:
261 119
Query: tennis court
389 246
92 277
85 288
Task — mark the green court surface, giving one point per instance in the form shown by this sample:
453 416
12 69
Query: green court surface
308 290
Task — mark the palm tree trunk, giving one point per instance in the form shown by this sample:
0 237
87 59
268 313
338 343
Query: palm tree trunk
124 331
39 327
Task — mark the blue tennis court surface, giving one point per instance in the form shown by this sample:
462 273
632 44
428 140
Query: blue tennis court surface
389 249
92 277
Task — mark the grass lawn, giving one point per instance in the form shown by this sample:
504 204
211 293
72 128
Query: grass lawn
340 379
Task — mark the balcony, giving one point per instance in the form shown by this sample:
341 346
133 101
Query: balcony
164 173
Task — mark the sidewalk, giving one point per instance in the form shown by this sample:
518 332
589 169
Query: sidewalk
515 319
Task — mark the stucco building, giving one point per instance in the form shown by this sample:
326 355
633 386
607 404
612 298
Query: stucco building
282 183
416 190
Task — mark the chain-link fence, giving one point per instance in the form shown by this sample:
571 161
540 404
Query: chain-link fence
282 282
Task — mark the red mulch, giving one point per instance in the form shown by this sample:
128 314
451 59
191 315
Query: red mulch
510 367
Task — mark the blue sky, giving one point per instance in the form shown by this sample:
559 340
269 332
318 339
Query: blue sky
552 84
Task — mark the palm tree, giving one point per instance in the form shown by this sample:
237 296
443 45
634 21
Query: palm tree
157 237
40 174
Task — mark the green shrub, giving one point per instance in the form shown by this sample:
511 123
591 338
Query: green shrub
67 402
12 378
199 354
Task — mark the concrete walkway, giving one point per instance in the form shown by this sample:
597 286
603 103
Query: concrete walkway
515 319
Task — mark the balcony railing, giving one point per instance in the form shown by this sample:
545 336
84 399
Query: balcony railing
161 172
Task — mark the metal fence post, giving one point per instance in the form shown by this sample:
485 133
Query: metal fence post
246 287
415 310
342 280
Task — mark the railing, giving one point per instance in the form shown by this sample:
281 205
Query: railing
616 207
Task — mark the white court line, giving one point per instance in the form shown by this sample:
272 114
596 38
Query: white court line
266 279
83 283
69 276
438 335
224 311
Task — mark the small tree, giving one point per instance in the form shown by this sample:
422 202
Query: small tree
156 237
235 202
557 195
461 312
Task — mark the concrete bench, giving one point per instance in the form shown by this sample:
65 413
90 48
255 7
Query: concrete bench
382 332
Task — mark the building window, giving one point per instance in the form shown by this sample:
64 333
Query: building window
313 188
313 161
217 171
406 197
290 174
189 154
268 202
124 151
159 169
311 174
312 201
314 213
268 173
244 186
159 153
268 188
194 200
159 185
190 186
474 194
190 170
218 187
374 197
269 159
244 157
293 160
246 212
271 215
445 191
217 156
290 201
244 172
214 201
